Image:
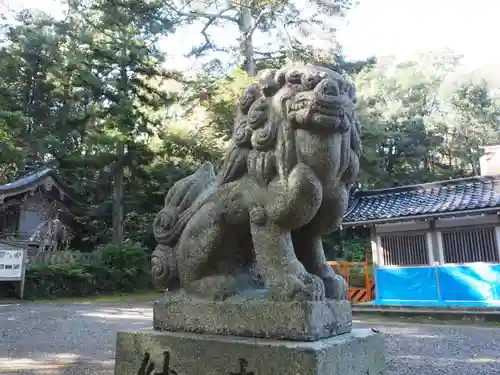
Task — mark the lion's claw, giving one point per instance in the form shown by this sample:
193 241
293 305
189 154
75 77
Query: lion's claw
302 287
335 287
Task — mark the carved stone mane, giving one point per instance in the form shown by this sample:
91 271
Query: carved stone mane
262 141
293 155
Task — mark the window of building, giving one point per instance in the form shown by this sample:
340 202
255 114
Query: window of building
470 245
405 250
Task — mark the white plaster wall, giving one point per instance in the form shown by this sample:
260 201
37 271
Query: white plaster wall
489 163
402 227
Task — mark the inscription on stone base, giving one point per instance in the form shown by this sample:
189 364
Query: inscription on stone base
147 366
301 321
360 352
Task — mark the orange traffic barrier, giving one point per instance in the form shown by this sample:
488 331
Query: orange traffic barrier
357 294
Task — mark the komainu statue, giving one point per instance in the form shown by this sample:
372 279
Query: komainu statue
256 227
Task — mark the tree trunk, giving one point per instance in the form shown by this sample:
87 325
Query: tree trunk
118 176
118 195
427 162
246 26
474 167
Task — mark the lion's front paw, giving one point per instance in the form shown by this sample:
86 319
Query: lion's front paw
217 288
303 287
163 267
335 287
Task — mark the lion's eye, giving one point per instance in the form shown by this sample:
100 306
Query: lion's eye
294 77
310 82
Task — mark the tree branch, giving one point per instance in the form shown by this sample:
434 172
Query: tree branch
210 16
269 55
258 20
208 42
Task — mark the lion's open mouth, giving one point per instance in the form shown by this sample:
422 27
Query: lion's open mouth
310 111
323 106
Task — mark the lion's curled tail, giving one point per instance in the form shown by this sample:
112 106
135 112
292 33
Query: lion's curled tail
183 200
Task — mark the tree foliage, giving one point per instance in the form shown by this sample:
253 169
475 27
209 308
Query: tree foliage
288 25
416 129
92 95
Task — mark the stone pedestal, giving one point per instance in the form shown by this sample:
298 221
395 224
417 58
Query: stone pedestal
172 353
257 317
250 336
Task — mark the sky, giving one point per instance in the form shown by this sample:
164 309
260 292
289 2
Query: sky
384 27
399 27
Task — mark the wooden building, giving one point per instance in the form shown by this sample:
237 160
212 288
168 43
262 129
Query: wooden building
31 207
434 244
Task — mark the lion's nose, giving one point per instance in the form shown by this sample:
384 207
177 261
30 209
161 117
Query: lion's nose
328 87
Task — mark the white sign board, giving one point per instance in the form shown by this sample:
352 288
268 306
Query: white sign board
11 264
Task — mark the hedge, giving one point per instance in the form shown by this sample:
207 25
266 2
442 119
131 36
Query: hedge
123 268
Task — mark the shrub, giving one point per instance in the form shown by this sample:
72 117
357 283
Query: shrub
129 255
127 265
347 246
123 268
59 280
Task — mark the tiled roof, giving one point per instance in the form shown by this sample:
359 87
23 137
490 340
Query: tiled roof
27 179
423 200
32 180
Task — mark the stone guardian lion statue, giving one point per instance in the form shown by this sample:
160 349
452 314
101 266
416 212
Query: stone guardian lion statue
256 227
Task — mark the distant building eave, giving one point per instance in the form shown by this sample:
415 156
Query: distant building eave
45 178
459 197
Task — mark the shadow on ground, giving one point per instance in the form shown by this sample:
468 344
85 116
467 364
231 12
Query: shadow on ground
63 339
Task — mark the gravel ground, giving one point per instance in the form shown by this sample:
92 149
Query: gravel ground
79 339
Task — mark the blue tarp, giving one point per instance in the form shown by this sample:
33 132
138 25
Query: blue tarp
476 284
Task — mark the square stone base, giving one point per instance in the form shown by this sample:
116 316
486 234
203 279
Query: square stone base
360 352
301 321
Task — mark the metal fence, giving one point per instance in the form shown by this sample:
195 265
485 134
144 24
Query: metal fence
65 257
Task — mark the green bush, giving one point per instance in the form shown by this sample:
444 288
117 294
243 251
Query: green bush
61 280
129 255
123 268
347 246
